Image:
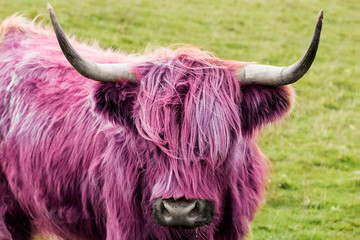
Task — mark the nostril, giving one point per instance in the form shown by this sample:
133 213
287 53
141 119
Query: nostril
195 212
197 205
164 211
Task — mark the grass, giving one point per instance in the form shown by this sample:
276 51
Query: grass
313 192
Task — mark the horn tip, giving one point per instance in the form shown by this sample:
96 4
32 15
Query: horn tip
50 8
320 20
321 15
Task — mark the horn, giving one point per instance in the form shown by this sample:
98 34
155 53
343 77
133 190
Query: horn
275 76
87 68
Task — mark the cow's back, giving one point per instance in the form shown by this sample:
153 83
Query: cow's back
51 139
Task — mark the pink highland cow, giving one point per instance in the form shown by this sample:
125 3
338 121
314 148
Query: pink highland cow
160 146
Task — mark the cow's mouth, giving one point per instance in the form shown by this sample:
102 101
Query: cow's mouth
183 213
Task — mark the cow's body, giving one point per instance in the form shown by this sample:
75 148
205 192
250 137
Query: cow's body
84 159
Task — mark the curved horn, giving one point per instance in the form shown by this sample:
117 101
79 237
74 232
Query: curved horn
89 69
275 76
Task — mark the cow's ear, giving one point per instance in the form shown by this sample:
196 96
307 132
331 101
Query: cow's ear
263 104
115 101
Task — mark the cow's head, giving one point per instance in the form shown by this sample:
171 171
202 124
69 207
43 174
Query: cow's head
196 116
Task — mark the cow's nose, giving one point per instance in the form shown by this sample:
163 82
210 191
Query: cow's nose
183 213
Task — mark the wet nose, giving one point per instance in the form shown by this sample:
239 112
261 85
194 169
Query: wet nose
183 213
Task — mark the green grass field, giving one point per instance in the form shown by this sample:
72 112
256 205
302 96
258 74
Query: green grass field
314 188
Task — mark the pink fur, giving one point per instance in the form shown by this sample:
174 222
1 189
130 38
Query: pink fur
85 160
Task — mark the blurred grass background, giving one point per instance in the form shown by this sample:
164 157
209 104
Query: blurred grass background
313 192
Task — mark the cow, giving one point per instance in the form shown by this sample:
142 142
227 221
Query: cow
155 146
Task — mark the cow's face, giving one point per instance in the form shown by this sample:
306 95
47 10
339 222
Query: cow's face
187 111
196 124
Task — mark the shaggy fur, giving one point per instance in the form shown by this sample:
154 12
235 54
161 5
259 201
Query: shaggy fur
85 160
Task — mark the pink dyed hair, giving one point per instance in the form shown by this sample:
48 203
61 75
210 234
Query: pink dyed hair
87 159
